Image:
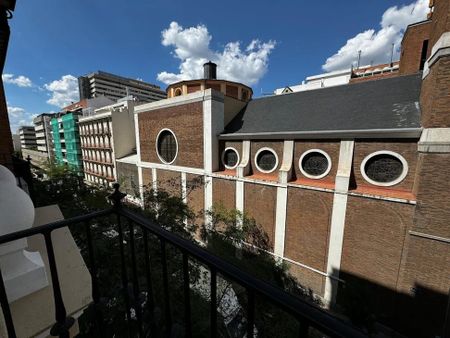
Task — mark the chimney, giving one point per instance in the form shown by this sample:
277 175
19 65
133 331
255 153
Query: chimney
209 70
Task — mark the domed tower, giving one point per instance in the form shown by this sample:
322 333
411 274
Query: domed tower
232 89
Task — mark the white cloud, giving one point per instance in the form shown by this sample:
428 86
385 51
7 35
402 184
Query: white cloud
21 81
18 117
63 91
191 47
15 111
375 46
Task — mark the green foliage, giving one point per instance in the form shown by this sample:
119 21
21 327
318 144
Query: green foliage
237 238
62 185
233 236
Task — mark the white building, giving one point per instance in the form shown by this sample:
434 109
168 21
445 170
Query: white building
105 136
43 131
115 87
27 137
336 78
341 77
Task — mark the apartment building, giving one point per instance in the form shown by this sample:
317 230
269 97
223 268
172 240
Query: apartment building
341 77
115 87
27 137
105 136
43 130
65 131
349 182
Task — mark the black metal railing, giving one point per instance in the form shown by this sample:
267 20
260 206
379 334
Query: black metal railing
309 316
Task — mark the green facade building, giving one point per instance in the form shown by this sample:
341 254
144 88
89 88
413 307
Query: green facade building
66 139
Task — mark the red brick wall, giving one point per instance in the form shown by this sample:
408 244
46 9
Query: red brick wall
433 195
307 278
331 148
441 20
169 181
193 88
196 196
232 91
412 47
186 121
425 283
374 239
260 204
435 95
307 227
408 149
224 192
147 176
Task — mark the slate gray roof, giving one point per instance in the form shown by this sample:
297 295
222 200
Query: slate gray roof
385 104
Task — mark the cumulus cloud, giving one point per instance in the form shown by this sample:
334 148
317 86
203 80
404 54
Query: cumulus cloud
375 45
191 47
20 81
63 91
18 117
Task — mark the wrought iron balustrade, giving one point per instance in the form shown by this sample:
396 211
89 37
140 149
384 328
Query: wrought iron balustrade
308 316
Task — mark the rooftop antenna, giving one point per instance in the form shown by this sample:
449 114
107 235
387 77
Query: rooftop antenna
391 64
359 59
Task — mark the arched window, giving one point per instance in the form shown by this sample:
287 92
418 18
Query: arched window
178 92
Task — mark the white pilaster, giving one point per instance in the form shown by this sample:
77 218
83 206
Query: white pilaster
284 176
154 180
338 221
243 168
183 187
280 221
184 192
208 199
141 185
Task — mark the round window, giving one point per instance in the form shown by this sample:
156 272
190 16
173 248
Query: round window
315 164
166 146
266 160
384 168
230 158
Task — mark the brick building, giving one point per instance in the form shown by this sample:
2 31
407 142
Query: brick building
349 182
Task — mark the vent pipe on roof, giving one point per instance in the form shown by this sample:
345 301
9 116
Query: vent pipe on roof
210 71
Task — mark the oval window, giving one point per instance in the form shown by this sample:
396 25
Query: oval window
167 146
266 160
384 168
315 164
230 158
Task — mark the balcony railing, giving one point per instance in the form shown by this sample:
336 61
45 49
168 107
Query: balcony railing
308 316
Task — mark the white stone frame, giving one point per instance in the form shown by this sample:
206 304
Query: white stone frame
156 145
256 160
320 151
238 157
385 184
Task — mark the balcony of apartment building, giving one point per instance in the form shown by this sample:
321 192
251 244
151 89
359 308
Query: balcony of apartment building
146 295
39 127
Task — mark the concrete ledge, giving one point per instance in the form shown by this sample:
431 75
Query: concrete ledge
435 140
199 96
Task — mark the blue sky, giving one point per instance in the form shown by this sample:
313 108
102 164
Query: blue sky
54 41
